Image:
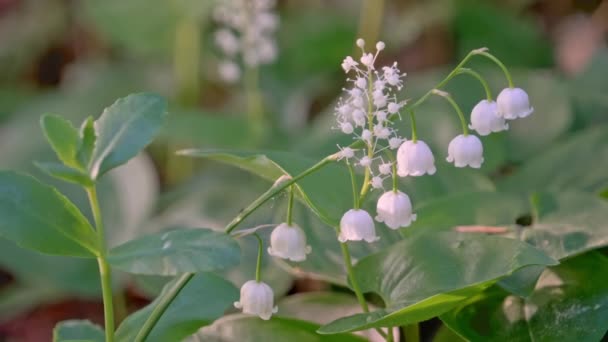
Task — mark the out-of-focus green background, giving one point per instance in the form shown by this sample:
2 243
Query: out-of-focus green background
75 57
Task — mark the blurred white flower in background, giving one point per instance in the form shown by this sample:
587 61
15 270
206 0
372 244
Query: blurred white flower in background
246 35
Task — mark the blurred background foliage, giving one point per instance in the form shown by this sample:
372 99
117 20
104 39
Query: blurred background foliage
74 57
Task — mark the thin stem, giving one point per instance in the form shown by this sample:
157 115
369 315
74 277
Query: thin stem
534 203
481 80
351 277
104 269
290 205
164 301
411 333
275 189
391 335
353 282
413 123
258 265
370 144
448 97
499 63
395 178
353 182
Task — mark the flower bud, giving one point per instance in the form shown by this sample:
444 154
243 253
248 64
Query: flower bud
465 150
357 225
257 299
395 210
513 103
485 118
288 242
415 159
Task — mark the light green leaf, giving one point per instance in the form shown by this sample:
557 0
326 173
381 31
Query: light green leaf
202 300
327 192
424 276
78 330
37 216
65 173
180 250
242 328
87 141
570 223
124 129
569 303
63 137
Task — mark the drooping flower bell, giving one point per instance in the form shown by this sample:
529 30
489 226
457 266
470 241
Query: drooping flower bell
394 208
288 242
513 103
485 118
415 159
257 298
465 150
357 225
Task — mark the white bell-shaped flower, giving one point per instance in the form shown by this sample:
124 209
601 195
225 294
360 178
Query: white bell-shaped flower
415 159
257 298
357 225
465 150
288 242
485 118
513 103
394 208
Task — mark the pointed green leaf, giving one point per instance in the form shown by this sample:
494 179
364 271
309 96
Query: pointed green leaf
63 137
65 173
202 300
78 330
428 274
87 141
569 303
182 250
244 328
329 205
124 129
38 217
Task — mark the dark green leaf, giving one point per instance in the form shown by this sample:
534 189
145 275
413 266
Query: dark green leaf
37 216
200 302
578 163
124 129
569 303
78 330
182 250
329 205
242 328
424 276
65 173
63 137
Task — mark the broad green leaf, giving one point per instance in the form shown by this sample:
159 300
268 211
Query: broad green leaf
63 137
569 223
202 300
65 173
124 129
579 163
242 328
78 330
327 192
569 303
428 274
474 208
87 141
324 307
180 250
37 216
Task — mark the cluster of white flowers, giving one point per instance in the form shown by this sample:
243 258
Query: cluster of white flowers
365 110
414 157
246 33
